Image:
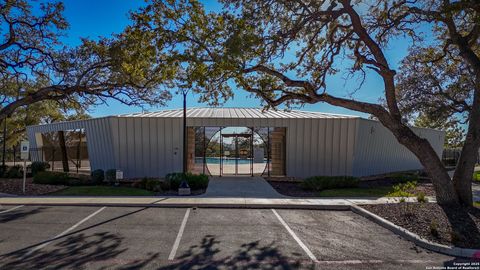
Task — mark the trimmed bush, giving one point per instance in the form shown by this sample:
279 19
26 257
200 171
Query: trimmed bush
319 183
97 176
14 172
111 176
3 170
165 185
153 185
174 179
76 182
195 181
51 178
39 166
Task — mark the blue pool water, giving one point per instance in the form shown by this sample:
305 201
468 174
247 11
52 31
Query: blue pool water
216 160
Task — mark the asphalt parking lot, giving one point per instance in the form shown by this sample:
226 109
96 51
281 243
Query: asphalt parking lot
37 237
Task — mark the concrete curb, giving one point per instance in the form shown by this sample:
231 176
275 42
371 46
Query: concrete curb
200 205
416 239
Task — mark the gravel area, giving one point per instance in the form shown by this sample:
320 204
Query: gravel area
449 226
293 189
15 187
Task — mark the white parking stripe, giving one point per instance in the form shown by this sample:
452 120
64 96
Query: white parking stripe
299 242
11 209
65 232
179 236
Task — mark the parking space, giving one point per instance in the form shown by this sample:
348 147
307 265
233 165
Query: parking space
168 238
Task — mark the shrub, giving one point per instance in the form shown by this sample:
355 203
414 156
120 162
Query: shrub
319 183
476 176
153 185
14 172
403 190
174 179
76 182
3 170
51 178
195 181
111 176
165 185
97 176
421 198
39 166
434 228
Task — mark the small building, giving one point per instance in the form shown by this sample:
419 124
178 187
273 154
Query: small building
235 141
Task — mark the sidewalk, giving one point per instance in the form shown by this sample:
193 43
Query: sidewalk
226 202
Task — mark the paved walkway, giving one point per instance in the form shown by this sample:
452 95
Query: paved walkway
240 187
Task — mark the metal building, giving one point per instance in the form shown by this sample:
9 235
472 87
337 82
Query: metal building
225 141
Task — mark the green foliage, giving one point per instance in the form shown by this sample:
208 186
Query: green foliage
476 176
319 183
103 191
433 228
454 132
421 198
111 176
39 166
75 182
97 176
195 181
403 189
15 172
153 185
3 170
51 178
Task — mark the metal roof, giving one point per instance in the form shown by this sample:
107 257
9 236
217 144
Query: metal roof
236 113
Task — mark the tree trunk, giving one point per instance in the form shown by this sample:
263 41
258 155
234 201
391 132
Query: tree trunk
462 177
63 148
421 148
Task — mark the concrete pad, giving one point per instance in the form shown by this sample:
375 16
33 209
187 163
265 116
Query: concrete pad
336 236
237 238
240 187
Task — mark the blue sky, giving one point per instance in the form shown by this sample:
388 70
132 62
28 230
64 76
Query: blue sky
89 18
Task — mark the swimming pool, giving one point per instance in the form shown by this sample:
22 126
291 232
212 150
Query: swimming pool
216 160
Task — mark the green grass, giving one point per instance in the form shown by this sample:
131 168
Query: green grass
359 192
477 204
103 191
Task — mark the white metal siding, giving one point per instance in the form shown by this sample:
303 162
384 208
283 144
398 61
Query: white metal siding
150 144
377 151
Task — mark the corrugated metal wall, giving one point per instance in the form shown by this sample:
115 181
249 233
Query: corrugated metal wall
147 146
99 139
152 146
377 150
320 146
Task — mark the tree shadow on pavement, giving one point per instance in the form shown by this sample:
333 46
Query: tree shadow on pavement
19 214
73 252
250 256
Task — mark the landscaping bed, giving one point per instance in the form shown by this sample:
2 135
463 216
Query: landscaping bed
15 187
455 226
372 188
